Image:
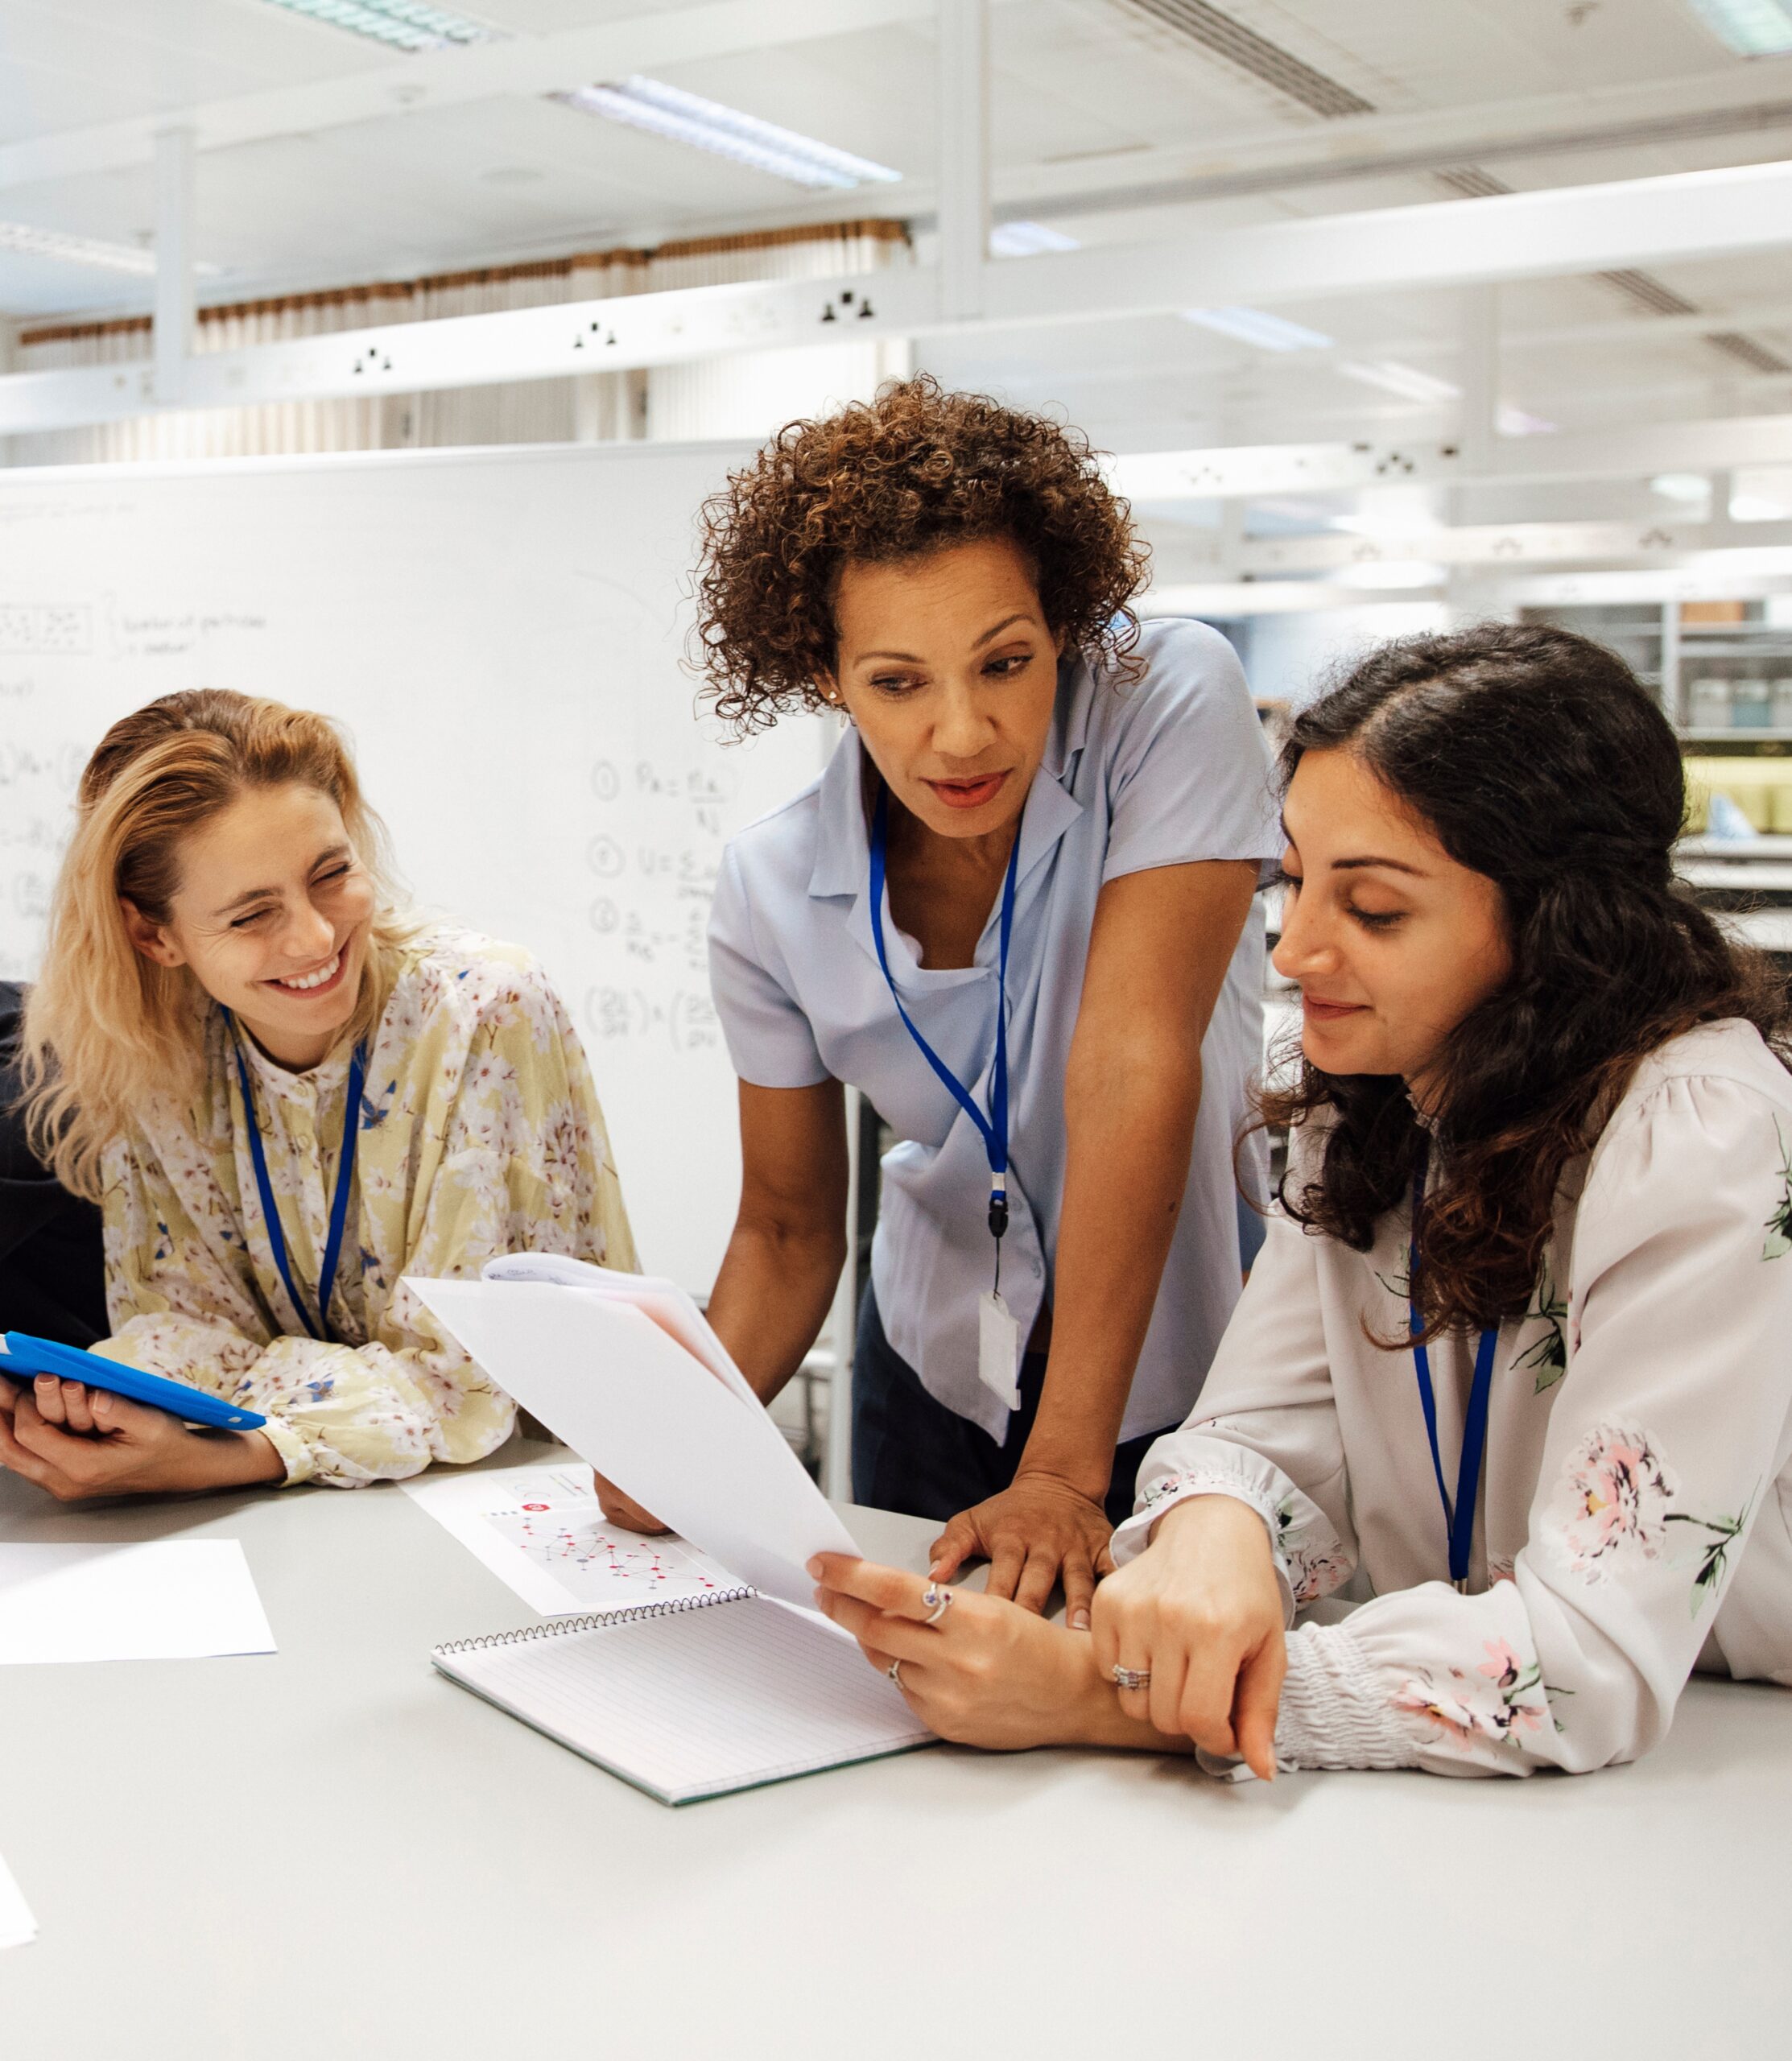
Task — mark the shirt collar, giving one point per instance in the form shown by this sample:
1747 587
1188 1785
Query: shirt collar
842 841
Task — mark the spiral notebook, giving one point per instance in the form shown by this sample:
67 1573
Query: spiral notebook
694 1696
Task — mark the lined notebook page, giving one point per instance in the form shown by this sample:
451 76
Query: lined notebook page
699 1701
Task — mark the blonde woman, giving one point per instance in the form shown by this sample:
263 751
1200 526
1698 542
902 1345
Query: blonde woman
286 1097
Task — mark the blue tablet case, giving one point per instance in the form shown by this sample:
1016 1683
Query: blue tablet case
24 1357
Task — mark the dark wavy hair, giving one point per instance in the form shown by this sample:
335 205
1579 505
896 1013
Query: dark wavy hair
1537 759
914 470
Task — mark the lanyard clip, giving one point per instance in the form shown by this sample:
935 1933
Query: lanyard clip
998 1204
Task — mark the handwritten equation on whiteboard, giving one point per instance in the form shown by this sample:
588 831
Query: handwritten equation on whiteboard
654 860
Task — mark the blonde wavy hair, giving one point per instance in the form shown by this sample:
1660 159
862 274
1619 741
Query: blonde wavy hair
107 1030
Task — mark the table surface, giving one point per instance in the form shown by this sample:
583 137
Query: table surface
332 1850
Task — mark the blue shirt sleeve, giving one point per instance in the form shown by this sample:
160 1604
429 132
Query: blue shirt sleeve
1188 770
769 1036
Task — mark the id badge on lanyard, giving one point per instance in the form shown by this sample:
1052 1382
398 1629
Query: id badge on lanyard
998 1333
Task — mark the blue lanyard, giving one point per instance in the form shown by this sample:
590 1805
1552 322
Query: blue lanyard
339 1207
1459 1516
994 1127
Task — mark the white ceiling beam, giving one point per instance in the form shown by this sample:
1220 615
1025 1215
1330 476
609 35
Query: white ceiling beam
1638 452
1567 230
1503 544
1449 243
646 42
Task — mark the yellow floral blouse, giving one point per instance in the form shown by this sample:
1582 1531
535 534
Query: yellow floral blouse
481 1133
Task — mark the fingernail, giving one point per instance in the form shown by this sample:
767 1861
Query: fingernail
934 1571
814 1567
1080 1621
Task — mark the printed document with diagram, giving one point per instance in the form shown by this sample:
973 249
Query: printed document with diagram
687 1695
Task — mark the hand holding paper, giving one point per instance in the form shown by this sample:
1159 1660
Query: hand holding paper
608 1379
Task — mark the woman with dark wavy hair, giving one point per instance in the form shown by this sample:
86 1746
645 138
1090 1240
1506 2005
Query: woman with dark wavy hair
1016 910
1518 1353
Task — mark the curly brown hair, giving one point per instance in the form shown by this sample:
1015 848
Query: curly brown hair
916 468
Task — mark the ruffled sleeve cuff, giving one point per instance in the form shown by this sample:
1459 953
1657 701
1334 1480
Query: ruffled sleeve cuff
1164 1492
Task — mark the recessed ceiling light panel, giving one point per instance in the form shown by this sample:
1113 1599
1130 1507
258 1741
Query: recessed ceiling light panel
1029 239
1751 28
1253 325
706 125
29 240
399 24
1407 381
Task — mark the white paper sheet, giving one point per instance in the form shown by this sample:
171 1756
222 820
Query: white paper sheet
175 1599
18 1928
607 1381
541 1531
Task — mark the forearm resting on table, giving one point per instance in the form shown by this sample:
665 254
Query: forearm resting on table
1131 1123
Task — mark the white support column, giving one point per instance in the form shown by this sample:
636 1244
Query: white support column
173 263
963 157
1480 373
841 1331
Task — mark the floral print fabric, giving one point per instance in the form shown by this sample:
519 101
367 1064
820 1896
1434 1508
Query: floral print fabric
480 1133
1640 1424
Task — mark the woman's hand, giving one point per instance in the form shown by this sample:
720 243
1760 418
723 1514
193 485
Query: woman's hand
79 1442
985 1674
1039 1531
1201 1609
622 1509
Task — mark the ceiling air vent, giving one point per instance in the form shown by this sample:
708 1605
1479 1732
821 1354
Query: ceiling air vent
1267 61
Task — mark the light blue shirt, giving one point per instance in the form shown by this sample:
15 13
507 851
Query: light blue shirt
1169 770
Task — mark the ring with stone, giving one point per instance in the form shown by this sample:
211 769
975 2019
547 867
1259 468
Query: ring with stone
894 1671
1131 1678
937 1601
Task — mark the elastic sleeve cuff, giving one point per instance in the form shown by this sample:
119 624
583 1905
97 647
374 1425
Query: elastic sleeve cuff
1135 1535
293 1451
1334 1711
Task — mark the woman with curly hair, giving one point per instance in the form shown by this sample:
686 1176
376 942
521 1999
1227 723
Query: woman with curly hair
1517 1351
1014 912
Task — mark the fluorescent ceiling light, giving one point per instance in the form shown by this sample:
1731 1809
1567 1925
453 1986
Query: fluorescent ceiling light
1512 421
706 125
1391 576
400 24
1758 508
1687 487
30 242
1751 28
1407 381
1029 239
1252 325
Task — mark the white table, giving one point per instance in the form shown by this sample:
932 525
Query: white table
333 1852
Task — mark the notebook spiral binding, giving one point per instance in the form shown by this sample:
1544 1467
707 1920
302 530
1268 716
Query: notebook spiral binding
596 1621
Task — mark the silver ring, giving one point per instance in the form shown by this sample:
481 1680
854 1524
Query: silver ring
939 1601
1131 1678
894 1671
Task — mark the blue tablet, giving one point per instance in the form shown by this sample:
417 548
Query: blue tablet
22 1356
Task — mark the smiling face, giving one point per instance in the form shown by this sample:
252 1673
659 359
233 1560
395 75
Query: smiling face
1393 942
272 916
947 668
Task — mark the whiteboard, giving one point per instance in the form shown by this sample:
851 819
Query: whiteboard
503 632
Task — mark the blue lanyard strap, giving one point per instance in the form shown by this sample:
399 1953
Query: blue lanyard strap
994 1127
1459 1514
319 1326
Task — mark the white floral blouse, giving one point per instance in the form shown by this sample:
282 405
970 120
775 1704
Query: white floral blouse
481 1133
1634 1517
